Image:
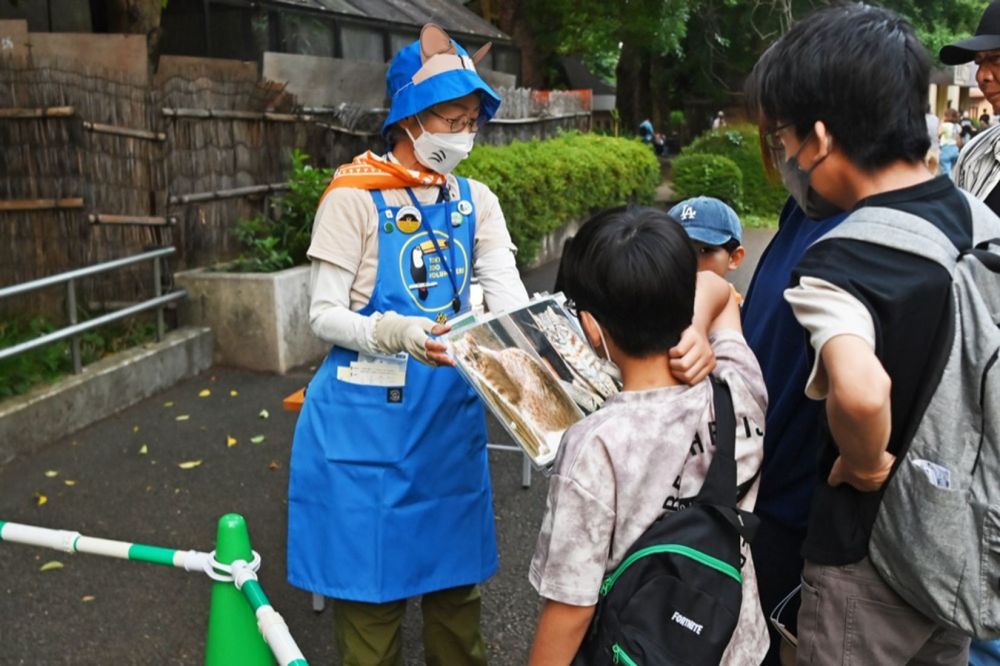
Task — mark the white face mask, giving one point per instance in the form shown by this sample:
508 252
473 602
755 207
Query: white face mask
441 152
608 365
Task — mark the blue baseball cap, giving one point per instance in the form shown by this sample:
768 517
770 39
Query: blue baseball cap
408 98
708 220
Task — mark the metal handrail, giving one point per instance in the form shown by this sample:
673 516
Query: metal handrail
75 329
84 272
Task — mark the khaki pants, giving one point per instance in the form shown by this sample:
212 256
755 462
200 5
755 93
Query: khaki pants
371 634
850 616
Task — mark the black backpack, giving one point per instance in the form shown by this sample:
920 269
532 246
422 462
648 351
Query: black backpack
675 598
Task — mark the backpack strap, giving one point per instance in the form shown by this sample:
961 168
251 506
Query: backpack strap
719 487
899 230
987 258
911 233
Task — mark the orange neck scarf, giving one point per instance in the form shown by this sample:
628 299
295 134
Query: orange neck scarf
372 172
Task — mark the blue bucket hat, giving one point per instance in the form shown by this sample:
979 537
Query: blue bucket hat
408 98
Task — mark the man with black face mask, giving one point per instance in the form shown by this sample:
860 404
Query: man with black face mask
817 93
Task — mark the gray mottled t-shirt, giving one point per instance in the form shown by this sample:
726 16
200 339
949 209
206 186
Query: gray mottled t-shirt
644 450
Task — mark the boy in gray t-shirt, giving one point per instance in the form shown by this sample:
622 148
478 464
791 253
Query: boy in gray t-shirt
631 273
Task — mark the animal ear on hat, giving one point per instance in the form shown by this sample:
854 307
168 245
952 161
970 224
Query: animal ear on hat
434 40
482 52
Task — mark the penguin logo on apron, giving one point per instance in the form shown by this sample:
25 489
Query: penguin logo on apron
418 271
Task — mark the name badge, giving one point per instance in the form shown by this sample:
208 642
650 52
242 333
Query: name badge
375 370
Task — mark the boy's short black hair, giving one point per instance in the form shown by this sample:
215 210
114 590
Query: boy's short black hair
633 268
861 70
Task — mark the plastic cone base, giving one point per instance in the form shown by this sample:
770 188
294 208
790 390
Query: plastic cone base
233 637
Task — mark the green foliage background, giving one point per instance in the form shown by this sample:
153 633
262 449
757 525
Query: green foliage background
716 176
542 185
280 239
740 143
48 363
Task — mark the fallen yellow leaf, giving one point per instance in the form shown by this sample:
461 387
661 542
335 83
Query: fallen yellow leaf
204 393
143 450
51 473
264 414
233 393
183 417
190 464
52 565
87 597
257 439
70 482
135 428
41 499
230 441
168 403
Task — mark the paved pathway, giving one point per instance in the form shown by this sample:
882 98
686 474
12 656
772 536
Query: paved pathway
99 611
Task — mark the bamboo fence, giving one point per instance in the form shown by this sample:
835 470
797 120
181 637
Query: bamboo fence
95 166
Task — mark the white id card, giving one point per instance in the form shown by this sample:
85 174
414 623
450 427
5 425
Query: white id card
375 370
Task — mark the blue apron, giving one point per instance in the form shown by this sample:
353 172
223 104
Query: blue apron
389 492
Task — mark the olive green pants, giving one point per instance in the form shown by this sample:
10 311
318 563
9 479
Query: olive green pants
371 634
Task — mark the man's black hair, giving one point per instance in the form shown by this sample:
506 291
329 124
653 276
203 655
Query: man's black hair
861 70
633 269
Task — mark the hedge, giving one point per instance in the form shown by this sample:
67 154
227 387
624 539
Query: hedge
708 175
542 185
741 144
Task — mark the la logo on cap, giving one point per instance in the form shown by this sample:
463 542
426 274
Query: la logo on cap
688 213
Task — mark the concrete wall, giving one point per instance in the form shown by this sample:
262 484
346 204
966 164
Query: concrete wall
321 81
260 320
48 412
123 54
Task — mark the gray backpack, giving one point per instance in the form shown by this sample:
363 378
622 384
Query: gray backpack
936 538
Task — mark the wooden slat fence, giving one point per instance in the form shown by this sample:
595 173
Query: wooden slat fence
96 166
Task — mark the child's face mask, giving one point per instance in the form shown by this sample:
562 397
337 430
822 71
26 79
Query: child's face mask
609 365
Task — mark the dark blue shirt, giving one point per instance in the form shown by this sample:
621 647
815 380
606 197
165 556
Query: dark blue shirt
792 441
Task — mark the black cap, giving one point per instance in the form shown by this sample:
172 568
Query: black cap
987 38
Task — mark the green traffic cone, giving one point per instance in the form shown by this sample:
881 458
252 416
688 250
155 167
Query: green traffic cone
233 637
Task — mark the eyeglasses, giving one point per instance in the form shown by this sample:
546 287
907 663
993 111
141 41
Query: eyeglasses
773 141
456 125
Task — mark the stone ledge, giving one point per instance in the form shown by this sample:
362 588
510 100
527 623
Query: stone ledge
49 412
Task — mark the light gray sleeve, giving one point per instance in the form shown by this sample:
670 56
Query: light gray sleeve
826 311
329 313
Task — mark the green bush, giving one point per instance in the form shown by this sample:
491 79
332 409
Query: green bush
542 185
280 240
708 175
48 363
741 144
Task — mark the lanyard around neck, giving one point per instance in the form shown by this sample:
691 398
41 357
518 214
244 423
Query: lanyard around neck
456 301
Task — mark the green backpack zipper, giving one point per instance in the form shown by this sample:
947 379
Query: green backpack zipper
685 551
619 656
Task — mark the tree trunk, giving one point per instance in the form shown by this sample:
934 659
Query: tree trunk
513 18
634 96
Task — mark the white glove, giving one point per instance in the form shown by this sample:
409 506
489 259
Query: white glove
395 333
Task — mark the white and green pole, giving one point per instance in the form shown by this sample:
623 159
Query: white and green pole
225 640
74 542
